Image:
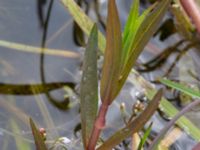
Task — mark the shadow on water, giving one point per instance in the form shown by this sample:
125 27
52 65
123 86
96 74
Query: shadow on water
63 105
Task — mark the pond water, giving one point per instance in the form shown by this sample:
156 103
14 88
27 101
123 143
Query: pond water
31 84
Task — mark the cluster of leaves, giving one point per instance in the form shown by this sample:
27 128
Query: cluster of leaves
121 52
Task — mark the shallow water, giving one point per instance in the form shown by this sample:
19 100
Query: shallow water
20 77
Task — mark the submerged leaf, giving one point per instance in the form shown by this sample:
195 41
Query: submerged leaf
171 123
29 89
84 22
112 60
181 88
134 125
39 141
89 87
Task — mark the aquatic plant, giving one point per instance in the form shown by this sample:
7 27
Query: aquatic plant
121 52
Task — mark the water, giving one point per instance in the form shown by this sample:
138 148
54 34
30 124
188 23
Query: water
19 101
20 24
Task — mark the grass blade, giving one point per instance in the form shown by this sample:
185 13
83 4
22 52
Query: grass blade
130 25
133 23
19 142
165 105
180 87
27 89
145 136
89 87
84 22
39 141
112 59
38 50
134 125
171 123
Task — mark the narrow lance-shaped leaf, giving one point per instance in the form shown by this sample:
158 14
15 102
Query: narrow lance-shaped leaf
145 137
39 141
144 33
134 125
89 87
112 59
180 87
131 21
130 38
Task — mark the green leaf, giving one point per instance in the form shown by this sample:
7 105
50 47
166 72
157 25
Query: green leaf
145 136
39 141
112 58
133 23
89 87
143 35
84 22
134 126
180 87
20 143
156 141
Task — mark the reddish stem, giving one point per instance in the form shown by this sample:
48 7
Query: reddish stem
193 12
98 126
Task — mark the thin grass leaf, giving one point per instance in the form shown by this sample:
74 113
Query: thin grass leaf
33 49
112 59
132 18
165 105
27 89
144 33
180 87
39 141
130 33
134 125
145 136
89 87
19 142
171 123
84 22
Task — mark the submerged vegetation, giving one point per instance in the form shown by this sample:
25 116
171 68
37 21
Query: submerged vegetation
101 85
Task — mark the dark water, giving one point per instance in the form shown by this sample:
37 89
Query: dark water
23 90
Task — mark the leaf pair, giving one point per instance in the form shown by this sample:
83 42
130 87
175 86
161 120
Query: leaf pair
121 54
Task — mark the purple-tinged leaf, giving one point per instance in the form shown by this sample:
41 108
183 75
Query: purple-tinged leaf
134 126
112 59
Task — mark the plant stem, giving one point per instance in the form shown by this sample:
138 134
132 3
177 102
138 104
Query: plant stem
193 12
98 126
